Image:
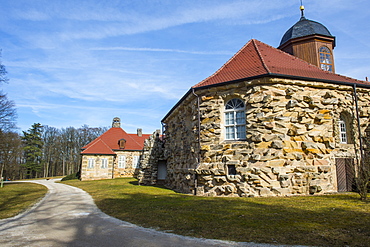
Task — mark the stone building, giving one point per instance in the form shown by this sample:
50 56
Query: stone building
269 122
113 154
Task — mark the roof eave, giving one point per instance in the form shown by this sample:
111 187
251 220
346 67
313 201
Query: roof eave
261 76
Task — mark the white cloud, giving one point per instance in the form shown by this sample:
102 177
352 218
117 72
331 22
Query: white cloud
160 50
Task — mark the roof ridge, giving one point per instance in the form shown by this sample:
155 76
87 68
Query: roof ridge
261 57
223 66
133 138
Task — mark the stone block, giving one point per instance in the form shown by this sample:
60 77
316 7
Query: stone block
263 145
311 147
276 163
265 192
205 147
277 144
324 168
281 191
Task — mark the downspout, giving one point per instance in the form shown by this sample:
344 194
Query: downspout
358 122
198 159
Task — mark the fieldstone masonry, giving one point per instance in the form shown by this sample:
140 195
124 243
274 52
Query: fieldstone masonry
292 139
113 170
153 152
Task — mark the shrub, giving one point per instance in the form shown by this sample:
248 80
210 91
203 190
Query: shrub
71 176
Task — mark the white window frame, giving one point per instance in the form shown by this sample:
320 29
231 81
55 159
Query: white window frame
91 163
135 161
121 161
235 120
104 163
343 131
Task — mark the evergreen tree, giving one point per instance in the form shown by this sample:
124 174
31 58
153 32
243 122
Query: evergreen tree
32 147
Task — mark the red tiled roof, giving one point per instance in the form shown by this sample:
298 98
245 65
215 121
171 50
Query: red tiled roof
258 59
108 142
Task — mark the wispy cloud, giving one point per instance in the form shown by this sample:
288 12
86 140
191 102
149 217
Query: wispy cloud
160 50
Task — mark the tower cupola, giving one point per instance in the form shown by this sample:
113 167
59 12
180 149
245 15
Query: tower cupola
310 41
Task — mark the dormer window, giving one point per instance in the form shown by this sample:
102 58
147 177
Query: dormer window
326 59
122 143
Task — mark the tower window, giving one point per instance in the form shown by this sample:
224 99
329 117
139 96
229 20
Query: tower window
326 59
235 120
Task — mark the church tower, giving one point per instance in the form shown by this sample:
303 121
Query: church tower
310 41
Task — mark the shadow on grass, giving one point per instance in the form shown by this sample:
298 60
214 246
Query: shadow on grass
306 220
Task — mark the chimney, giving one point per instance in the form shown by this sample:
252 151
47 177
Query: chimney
116 122
140 132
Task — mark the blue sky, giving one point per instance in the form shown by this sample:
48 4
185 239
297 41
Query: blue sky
73 62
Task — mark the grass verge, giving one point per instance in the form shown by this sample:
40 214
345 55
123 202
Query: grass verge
17 197
333 220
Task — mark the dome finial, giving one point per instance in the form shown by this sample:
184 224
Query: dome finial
302 10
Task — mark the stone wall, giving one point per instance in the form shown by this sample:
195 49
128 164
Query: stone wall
96 172
291 145
181 146
153 152
112 170
130 168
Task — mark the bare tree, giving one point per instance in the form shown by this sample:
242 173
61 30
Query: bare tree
3 72
10 155
8 113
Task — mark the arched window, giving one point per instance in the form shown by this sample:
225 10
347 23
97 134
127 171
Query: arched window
235 120
326 59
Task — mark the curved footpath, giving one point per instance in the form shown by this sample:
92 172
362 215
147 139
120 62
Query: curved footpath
67 216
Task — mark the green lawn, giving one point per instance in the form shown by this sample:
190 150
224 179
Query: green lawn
17 197
333 220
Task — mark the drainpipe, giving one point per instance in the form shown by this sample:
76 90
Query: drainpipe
358 122
198 159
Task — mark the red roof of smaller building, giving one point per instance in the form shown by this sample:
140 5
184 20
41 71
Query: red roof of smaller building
259 59
107 143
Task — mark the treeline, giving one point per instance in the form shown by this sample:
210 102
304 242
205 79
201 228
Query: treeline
44 151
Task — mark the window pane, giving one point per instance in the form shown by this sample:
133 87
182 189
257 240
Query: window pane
230 133
328 58
240 131
229 118
240 117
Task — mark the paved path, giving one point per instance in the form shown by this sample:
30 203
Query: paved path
67 216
